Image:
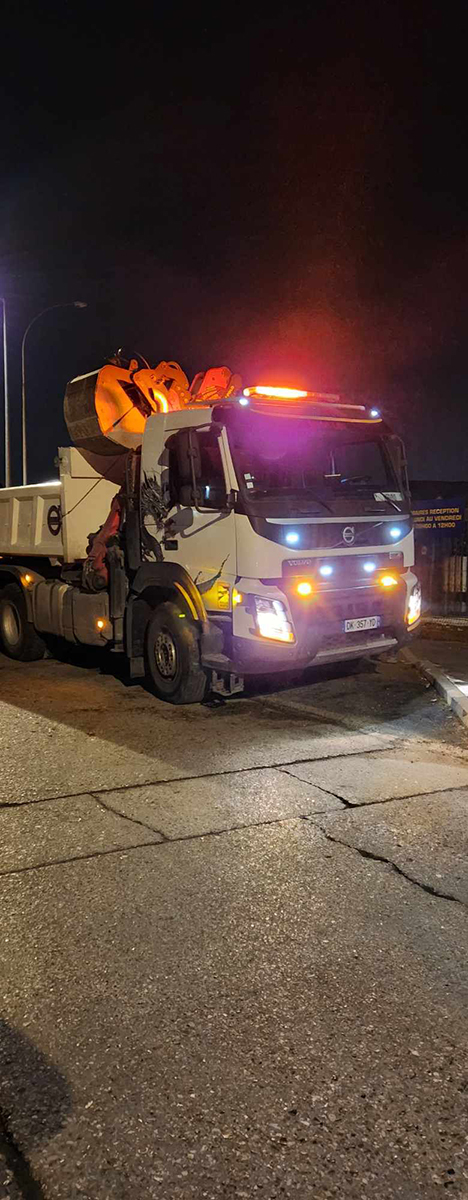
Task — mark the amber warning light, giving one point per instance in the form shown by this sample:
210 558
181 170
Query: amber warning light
283 393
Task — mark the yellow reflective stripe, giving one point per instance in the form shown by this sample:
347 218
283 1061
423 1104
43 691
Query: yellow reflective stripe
196 615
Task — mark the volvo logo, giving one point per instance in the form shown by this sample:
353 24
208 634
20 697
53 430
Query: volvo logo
348 535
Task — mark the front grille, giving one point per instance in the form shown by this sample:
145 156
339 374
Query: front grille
367 533
350 606
323 616
333 534
347 569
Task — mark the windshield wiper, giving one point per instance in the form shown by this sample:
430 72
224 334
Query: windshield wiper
392 502
364 481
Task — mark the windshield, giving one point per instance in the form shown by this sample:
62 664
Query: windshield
316 463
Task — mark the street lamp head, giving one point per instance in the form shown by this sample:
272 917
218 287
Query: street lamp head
79 304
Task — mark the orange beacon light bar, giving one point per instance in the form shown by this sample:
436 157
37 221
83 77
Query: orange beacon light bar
282 393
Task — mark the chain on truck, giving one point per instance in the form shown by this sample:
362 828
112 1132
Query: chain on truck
211 532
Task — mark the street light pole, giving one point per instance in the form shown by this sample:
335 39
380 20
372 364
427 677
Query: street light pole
5 398
71 304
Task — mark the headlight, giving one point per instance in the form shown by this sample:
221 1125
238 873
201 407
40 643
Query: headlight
414 605
272 620
396 531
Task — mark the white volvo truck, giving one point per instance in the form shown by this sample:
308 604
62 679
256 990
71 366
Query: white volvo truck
256 533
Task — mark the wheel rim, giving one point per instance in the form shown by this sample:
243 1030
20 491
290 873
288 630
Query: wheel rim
165 654
10 624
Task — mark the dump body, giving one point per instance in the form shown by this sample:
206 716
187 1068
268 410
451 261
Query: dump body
55 519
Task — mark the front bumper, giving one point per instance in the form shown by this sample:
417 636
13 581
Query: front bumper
320 632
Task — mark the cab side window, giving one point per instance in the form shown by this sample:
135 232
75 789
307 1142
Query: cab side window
212 483
211 486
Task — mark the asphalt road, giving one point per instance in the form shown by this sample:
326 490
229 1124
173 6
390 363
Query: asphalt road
234 940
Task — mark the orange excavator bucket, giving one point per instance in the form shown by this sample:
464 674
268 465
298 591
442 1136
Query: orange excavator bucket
107 410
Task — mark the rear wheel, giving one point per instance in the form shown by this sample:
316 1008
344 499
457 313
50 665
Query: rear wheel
18 637
173 656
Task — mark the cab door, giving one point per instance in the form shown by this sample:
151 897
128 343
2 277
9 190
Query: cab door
199 529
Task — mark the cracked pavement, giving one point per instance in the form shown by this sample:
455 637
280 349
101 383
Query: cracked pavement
234 939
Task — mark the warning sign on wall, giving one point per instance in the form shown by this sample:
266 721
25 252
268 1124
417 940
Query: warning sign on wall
440 517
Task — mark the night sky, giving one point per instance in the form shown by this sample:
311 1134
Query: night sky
285 195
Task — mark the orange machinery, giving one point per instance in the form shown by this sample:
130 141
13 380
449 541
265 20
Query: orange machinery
107 410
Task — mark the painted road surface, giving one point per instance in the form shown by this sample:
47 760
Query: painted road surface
234 939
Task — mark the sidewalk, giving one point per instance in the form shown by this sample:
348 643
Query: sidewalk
444 629
445 664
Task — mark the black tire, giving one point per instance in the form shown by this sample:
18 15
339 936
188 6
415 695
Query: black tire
18 638
173 656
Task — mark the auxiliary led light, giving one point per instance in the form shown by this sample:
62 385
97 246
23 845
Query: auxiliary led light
369 567
388 581
374 412
395 532
326 571
292 538
304 588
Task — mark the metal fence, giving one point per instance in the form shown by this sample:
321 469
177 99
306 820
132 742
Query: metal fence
441 564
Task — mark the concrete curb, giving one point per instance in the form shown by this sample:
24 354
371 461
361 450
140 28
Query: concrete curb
443 684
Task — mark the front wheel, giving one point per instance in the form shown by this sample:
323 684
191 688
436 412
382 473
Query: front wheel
18 637
173 656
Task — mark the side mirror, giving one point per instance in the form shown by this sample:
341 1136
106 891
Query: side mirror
188 456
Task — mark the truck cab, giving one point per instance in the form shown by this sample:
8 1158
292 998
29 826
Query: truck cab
292 517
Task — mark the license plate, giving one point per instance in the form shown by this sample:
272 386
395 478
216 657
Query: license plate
361 623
